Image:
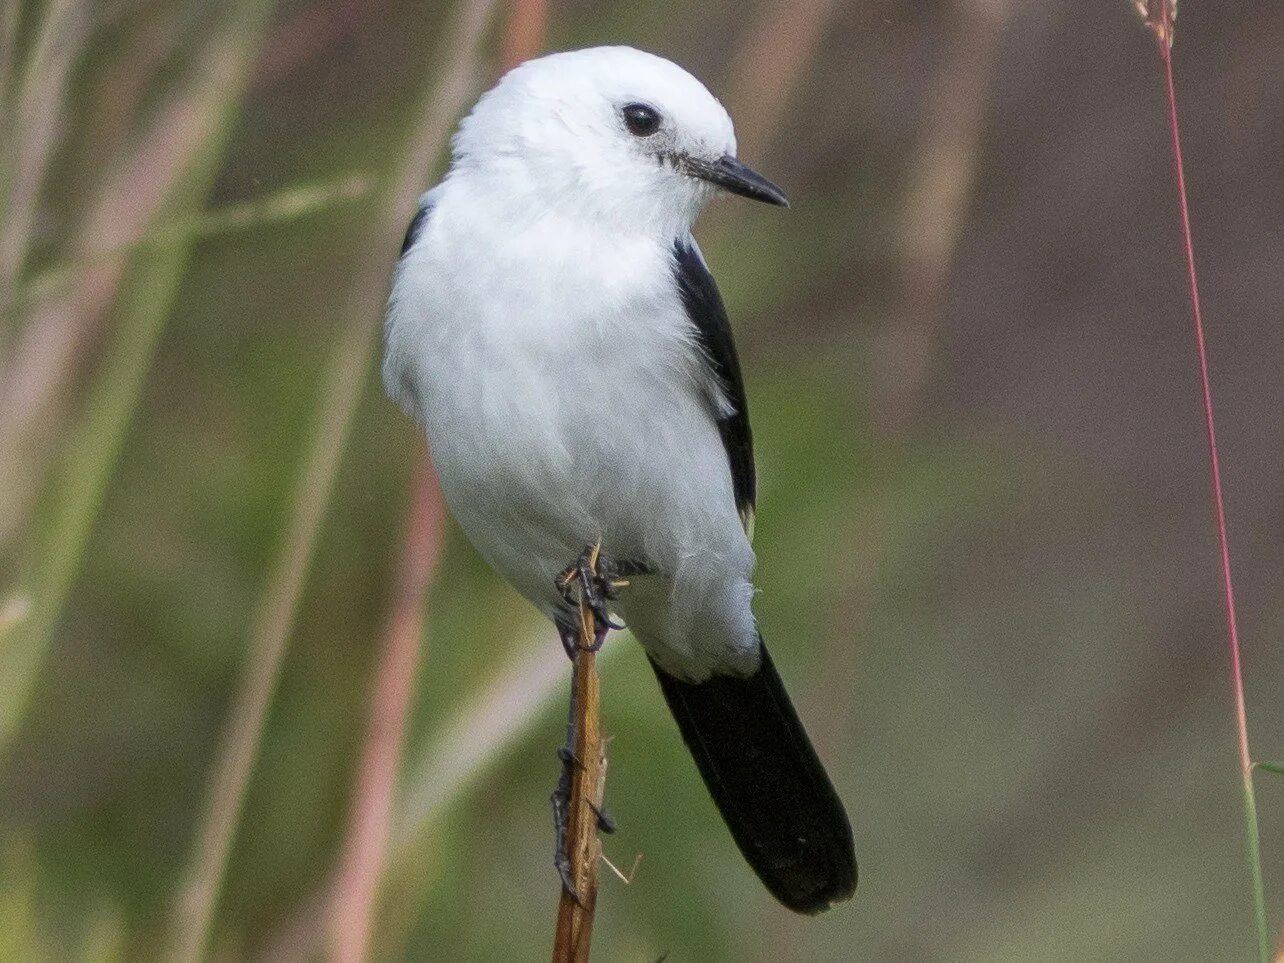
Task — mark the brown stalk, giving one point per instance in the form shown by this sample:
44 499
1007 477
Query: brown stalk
768 65
575 912
937 195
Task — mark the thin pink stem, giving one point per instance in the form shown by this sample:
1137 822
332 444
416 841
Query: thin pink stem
1228 590
1164 33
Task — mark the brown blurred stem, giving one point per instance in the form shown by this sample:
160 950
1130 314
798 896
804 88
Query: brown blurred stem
575 911
938 192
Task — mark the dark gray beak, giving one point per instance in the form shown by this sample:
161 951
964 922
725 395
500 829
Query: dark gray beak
729 174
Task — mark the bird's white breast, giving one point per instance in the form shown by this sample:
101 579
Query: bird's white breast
556 372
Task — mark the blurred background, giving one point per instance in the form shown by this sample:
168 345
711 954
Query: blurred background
259 699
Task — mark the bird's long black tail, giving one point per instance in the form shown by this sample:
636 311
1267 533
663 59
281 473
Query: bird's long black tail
768 783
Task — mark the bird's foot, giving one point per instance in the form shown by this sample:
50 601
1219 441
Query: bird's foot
605 821
570 639
597 581
561 802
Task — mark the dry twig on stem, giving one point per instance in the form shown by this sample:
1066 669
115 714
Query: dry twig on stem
575 911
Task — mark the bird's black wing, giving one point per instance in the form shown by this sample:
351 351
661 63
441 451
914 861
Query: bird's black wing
704 307
416 226
397 380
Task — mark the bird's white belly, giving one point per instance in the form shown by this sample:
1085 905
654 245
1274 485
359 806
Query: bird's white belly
561 416
538 461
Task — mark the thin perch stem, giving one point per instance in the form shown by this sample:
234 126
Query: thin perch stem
1161 22
588 784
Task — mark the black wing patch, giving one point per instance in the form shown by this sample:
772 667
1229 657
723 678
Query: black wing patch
705 309
416 227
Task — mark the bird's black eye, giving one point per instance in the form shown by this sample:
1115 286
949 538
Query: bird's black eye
642 120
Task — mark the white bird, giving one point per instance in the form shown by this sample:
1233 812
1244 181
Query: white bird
553 325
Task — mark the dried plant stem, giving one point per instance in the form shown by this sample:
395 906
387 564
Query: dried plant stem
574 931
1164 33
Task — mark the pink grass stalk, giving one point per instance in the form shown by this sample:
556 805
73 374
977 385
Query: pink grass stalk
342 388
352 909
1160 16
354 905
355 899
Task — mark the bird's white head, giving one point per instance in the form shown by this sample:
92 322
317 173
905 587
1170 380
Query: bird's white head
613 134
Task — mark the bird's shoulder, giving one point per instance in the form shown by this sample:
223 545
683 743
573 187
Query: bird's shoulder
419 220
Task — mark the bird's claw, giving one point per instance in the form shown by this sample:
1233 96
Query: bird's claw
560 801
605 822
598 583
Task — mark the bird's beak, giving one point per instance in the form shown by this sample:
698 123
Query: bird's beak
729 174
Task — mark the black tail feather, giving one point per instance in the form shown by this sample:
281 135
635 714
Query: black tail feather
768 783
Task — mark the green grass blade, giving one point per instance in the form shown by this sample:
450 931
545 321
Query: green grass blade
146 295
1254 841
282 207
